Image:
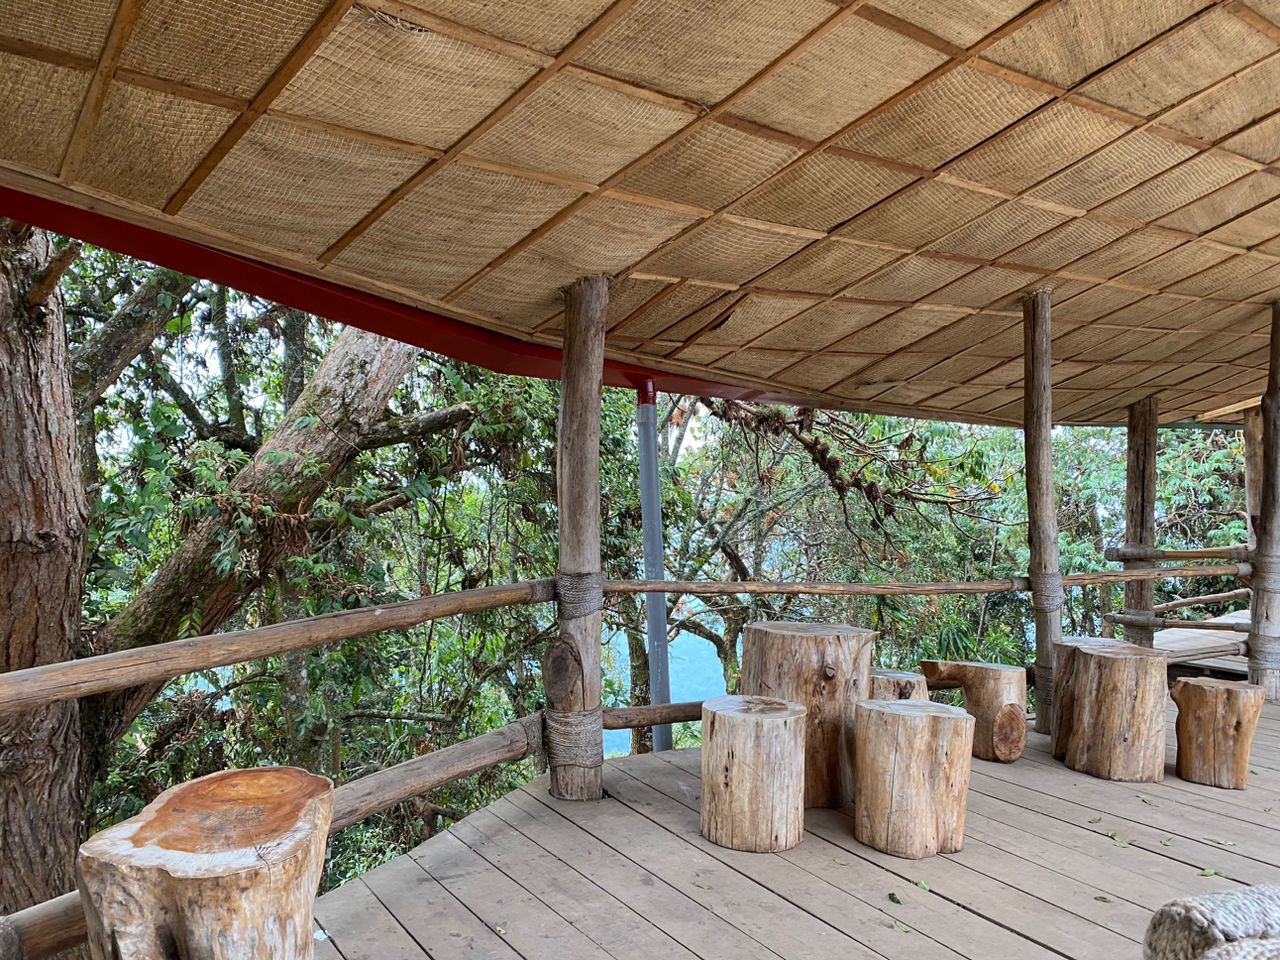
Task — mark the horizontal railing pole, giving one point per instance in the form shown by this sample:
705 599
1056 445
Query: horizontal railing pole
837 588
1234 648
23 689
629 718
1237 551
1172 623
1244 593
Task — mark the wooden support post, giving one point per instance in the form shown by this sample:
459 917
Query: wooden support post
1042 502
1140 513
753 773
1253 470
1264 640
913 777
571 666
995 695
223 866
826 668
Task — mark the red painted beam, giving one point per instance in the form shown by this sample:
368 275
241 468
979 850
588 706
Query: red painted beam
432 331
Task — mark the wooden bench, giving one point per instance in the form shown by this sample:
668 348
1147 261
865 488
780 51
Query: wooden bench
223 866
913 776
1216 722
995 695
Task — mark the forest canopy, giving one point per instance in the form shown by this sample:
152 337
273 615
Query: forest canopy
240 463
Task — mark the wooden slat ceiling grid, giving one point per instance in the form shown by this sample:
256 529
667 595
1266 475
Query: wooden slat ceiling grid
841 202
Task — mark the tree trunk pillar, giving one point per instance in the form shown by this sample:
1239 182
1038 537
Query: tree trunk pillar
1042 501
571 666
1264 637
1140 513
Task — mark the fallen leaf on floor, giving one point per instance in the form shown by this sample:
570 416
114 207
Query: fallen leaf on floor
840 860
894 898
922 885
1147 800
1115 837
902 926
1167 842
1101 899
702 886
1211 873
1221 843
1096 820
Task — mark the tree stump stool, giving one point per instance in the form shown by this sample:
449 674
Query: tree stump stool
1109 704
753 773
995 695
898 685
223 866
1216 722
826 669
913 776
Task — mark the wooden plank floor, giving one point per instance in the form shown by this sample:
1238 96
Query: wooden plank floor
1055 864
1177 639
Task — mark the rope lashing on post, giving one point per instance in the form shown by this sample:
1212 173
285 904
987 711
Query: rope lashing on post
1046 597
574 738
579 594
1264 649
1189 927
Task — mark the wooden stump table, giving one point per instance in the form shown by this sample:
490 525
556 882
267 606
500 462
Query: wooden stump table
995 695
753 773
223 866
1109 704
898 685
826 669
913 776
1216 722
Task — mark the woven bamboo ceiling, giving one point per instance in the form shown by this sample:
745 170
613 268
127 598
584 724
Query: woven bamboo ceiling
836 202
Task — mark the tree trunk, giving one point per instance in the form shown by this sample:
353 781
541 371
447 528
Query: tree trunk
42 548
753 773
638 654
318 437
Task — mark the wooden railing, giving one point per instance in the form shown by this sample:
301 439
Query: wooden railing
48 928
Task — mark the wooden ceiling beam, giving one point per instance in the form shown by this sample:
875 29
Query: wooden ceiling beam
280 78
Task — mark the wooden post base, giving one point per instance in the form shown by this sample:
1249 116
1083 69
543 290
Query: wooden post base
995 695
913 776
1109 709
223 866
1216 722
898 685
826 669
753 773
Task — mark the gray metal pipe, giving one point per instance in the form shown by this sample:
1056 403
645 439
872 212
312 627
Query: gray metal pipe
655 604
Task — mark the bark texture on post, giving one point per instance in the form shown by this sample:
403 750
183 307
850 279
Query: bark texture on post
1140 512
753 773
898 685
1216 723
43 521
913 777
223 866
1042 501
1253 470
826 668
1109 710
571 666
995 695
1264 639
